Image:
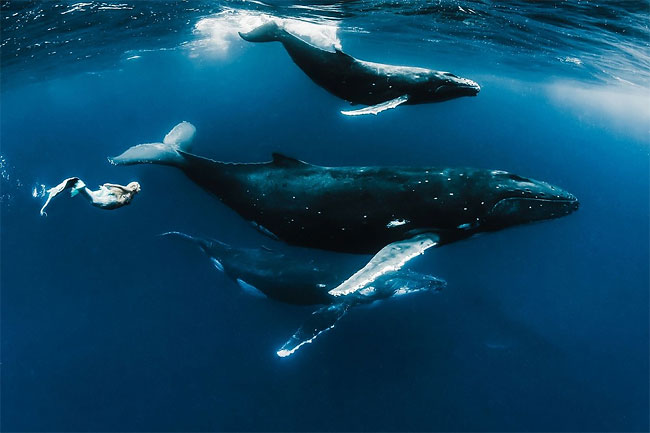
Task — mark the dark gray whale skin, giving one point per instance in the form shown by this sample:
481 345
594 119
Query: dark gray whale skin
300 280
361 82
296 279
362 209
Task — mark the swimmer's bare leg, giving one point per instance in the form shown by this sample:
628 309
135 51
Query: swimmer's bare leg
53 192
80 188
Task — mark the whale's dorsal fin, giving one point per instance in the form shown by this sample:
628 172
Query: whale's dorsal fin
286 161
341 56
341 53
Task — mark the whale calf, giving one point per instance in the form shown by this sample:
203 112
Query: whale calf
377 85
295 279
395 213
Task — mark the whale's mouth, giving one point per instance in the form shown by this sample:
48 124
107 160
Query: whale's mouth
463 87
519 210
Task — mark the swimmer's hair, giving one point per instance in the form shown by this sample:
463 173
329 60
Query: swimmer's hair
177 140
134 187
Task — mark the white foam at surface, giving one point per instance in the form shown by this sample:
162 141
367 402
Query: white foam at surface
218 32
576 61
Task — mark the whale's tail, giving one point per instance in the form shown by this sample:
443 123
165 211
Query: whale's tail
167 153
268 32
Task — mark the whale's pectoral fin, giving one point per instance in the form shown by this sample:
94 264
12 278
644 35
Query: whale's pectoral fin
389 259
376 109
249 289
320 321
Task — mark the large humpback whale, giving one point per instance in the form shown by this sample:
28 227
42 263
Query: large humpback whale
378 85
393 212
298 280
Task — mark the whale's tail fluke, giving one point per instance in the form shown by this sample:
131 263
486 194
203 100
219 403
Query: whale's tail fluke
179 138
268 32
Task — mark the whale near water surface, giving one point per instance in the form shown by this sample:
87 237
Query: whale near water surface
379 86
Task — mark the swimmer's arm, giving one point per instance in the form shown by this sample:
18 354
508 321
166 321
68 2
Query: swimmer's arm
113 185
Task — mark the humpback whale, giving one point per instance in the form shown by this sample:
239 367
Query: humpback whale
377 85
395 213
294 279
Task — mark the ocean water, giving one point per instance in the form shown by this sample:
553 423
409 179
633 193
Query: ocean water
106 326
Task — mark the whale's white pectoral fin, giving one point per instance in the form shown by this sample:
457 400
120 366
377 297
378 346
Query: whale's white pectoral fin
320 321
389 259
376 109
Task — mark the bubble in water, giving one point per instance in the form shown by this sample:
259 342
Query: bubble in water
10 183
38 190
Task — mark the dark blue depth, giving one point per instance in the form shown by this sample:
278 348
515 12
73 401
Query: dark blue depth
106 326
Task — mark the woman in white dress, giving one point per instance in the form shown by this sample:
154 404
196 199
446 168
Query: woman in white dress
109 196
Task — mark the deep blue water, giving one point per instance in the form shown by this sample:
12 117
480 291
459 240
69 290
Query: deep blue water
106 326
